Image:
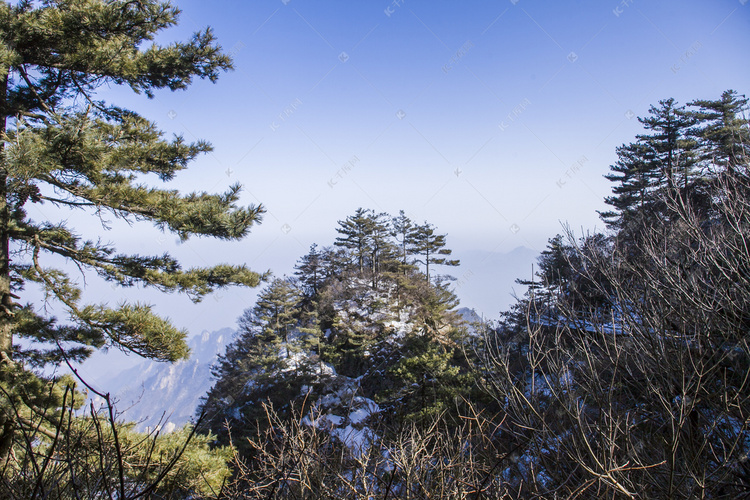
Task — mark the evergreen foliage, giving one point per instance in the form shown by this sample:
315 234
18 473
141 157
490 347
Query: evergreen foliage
356 233
622 373
64 147
114 461
356 321
659 165
311 271
686 150
723 134
261 364
430 248
403 232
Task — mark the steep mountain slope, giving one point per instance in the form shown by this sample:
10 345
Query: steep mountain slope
164 394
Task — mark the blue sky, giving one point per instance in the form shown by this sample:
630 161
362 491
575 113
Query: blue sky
493 120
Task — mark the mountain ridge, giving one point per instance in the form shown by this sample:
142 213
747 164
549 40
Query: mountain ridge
166 395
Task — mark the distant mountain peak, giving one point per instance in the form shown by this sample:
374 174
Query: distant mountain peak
166 394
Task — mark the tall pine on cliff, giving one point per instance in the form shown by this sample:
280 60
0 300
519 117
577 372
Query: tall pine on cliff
62 146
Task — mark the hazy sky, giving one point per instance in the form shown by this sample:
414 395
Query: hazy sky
493 120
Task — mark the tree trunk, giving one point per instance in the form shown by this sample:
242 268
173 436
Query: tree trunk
6 300
427 260
404 259
7 423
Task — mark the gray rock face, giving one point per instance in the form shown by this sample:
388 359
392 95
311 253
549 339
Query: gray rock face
166 395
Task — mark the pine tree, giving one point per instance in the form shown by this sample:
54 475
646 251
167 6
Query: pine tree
553 266
253 368
661 163
672 150
430 248
275 314
381 248
310 271
64 147
636 182
334 261
428 373
311 337
403 232
351 334
355 233
724 131
428 378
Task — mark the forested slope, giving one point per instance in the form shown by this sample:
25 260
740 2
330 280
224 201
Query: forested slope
621 373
